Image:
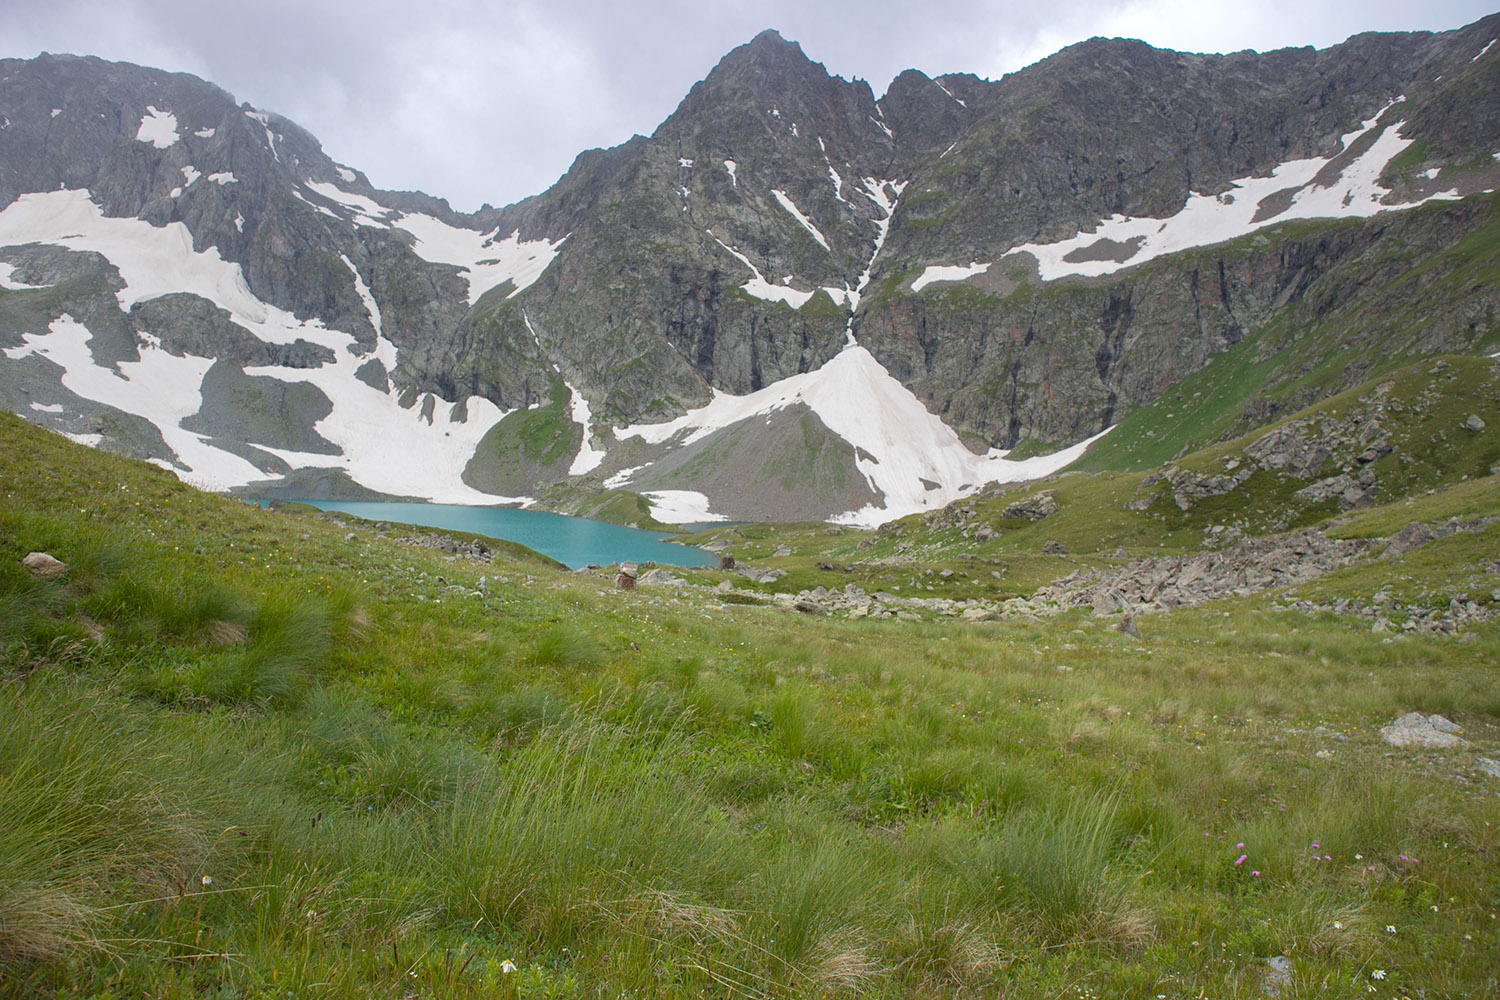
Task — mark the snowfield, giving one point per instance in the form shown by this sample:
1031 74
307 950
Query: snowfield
153 262
901 443
1355 192
383 446
487 262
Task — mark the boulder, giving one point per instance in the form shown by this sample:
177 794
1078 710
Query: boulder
1033 508
659 577
1417 730
1284 450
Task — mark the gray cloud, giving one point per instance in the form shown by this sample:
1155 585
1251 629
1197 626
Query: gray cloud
479 101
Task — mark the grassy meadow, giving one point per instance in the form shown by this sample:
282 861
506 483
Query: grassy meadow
267 753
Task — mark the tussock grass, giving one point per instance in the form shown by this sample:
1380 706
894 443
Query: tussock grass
90 805
671 796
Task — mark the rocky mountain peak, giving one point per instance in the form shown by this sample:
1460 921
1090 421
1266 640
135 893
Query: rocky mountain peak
790 300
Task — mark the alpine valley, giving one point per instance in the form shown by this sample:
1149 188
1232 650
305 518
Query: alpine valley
792 301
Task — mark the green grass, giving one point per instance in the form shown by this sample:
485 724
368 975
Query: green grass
245 756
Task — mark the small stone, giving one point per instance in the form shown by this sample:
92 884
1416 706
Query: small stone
1488 766
44 565
1127 625
1280 974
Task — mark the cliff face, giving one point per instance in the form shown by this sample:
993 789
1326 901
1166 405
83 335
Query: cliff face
1027 260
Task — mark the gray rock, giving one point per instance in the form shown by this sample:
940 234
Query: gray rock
1407 538
1488 766
1279 976
659 577
1417 730
43 565
1033 508
1284 450
1474 423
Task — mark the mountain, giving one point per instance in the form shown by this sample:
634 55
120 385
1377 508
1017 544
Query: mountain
792 301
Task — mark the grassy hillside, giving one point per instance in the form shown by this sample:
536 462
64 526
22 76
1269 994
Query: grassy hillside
267 753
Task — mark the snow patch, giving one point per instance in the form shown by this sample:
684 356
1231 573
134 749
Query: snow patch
367 212
265 123
621 478
191 173
946 272
348 176
684 163
372 308
875 190
882 126
223 177
239 222
159 387
1485 49
205 133
762 289
786 203
731 166
588 457
681 507
159 128
1120 241
899 441
9 283
154 262
388 448
56 112
47 407
320 209
949 93
485 261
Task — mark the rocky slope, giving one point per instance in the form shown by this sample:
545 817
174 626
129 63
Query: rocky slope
793 300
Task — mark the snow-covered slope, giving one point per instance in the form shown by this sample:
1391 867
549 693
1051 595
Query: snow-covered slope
909 458
419 450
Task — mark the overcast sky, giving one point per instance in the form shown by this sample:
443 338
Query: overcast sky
490 100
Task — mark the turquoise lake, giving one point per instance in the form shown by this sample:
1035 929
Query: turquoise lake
572 541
